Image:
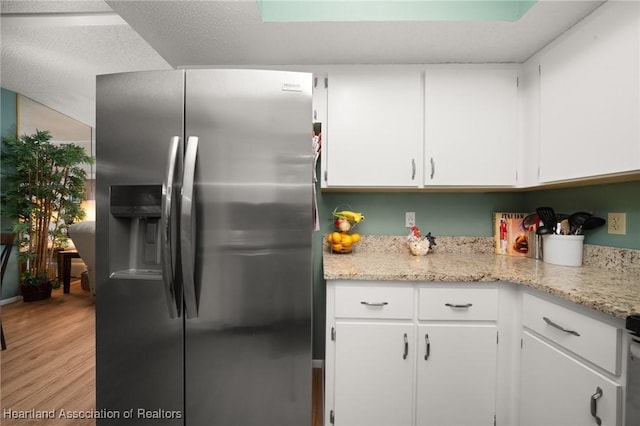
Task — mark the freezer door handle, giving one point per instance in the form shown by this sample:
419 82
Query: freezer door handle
187 224
166 255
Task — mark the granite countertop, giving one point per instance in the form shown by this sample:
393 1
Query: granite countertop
614 291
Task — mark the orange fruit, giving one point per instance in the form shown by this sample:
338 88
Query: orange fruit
336 237
346 240
336 247
355 237
330 238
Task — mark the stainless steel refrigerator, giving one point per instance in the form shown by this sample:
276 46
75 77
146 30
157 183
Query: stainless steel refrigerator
203 243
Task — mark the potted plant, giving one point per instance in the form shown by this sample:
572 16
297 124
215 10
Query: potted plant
42 189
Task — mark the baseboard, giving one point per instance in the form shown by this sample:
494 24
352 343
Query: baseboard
10 300
317 363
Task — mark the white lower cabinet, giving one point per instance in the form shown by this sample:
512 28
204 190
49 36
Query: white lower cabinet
456 363
558 390
406 354
465 354
456 375
374 374
570 367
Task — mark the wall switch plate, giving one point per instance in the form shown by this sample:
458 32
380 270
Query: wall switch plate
409 219
617 223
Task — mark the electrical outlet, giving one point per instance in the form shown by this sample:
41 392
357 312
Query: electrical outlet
409 219
617 223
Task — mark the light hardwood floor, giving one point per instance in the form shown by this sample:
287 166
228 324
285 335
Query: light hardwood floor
49 363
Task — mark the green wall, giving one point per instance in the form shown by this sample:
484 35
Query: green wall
8 125
456 214
470 213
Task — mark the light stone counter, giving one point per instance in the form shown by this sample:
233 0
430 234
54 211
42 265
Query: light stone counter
613 291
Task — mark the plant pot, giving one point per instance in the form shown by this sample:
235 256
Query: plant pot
31 293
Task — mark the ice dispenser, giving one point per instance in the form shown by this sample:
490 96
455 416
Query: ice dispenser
135 231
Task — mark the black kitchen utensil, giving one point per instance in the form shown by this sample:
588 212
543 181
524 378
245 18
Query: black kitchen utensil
548 217
544 229
593 222
530 220
576 220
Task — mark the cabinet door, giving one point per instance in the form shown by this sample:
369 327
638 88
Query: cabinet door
374 374
456 375
558 390
374 128
590 97
470 126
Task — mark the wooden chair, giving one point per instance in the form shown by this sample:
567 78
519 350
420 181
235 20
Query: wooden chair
7 245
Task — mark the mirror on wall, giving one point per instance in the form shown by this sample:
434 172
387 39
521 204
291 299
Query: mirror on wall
32 116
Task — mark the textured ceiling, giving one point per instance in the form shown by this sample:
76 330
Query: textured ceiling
205 33
52 50
54 57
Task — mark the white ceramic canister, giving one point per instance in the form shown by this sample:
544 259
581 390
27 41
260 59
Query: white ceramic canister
565 250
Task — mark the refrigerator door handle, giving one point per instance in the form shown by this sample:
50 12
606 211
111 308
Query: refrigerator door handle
187 224
167 260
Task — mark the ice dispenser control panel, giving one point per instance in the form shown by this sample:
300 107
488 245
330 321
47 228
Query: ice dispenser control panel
136 200
135 231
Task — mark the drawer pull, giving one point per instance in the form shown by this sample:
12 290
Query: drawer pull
594 405
406 347
559 327
428 349
455 306
375 304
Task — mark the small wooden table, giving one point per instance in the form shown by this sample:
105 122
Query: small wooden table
64 267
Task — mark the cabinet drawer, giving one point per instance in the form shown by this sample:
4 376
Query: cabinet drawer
458 304
587 337
374 302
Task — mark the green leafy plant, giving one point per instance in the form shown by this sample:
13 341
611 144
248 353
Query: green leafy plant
42 191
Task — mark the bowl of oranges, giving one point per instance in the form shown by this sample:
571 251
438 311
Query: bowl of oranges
342 239
342 242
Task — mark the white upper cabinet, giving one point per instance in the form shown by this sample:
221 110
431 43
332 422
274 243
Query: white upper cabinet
394 127
373 136
470 126
575 116
590 97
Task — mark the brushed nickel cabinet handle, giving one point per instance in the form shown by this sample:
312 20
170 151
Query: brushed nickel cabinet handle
594 405
559 327
406 347
428 348
374 304
461 306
